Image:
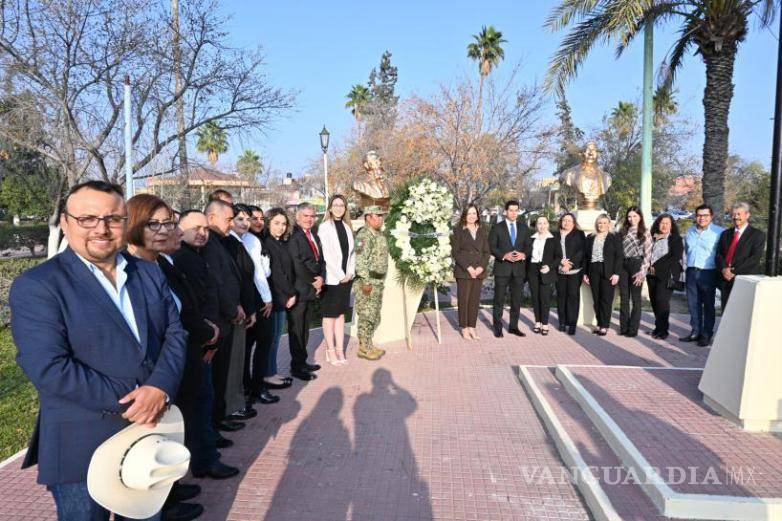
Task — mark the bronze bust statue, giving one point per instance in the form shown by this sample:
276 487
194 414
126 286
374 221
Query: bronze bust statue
588 179
372 186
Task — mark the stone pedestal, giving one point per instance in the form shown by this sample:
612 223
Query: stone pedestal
741 378
394 325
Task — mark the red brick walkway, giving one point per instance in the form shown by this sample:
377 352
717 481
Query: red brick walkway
442 432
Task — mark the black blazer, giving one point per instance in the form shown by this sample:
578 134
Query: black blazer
613 254
282 281
468 252
749 250
189 261
228 280
248 293
575 247
305 265
552 255
670 264
499 244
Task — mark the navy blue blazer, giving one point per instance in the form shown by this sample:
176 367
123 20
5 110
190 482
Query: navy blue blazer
76 348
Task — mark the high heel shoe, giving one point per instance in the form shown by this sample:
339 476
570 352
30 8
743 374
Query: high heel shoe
331 357
474 335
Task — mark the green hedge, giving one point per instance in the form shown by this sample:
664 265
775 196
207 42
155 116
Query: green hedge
9 270
20 237
18 400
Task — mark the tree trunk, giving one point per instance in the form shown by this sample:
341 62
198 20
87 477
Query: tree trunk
716 106
478 115
53 244
184 174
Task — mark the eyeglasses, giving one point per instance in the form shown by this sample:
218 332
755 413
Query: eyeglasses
91 221
155 226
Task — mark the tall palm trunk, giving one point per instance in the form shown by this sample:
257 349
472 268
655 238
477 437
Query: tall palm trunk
716 106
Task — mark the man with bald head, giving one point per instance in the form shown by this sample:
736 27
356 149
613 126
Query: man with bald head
99 336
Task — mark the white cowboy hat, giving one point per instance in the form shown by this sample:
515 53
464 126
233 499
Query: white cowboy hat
131 473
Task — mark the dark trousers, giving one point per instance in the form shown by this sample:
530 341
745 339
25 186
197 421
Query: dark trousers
726 286
220 366
629 293
541 294
204 436
660 297
74 503
602 294
468 299
701 292
569 298
260 336
299 333
501 285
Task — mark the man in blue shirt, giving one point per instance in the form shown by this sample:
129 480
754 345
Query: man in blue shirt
700 245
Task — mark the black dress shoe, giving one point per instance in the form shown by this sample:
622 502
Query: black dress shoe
303 375
244 414
498 333
562 327
571 330
223 442
217 471
230 426
266 397
287 382
631 334
311 367
689 338
517 332
622 332
704 341
662 336
181 492
182 511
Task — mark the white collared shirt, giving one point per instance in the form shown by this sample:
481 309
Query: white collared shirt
538 244
119 293
254 248
516 225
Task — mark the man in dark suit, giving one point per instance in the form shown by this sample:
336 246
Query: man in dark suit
739 250
508 240
99 336
219 216
310 268
190 261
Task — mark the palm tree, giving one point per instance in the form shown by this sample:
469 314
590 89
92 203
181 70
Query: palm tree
249 164
487 51
712 28
359 98
212 140
665 105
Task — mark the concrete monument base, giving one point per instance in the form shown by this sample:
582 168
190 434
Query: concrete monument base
741 378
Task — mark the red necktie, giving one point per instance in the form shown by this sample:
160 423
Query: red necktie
312 245
732 247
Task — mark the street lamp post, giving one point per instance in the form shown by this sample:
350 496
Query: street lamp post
775 199
324 145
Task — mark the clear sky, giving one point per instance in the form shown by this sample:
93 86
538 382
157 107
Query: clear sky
321 48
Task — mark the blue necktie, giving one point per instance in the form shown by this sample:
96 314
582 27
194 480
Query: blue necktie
513 234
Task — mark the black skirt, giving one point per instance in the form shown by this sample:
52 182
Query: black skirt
335 300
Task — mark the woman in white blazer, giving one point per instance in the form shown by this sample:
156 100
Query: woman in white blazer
336 236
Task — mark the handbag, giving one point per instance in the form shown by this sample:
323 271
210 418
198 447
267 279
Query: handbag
674 283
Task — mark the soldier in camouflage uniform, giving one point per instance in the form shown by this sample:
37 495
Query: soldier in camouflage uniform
371 267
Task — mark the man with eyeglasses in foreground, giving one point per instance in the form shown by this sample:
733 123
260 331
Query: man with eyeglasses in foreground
99 336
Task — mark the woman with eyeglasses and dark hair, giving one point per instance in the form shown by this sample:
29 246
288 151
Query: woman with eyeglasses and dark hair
153 235
471 252
573 243
637 249
336 237
666 268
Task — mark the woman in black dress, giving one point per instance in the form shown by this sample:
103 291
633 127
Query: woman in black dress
571 272
470 250
336 236
666 267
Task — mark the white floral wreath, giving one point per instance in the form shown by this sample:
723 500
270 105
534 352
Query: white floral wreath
428 206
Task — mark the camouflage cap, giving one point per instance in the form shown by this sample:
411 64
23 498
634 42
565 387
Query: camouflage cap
375 210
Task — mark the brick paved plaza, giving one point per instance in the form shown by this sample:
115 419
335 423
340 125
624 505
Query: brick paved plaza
443 432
